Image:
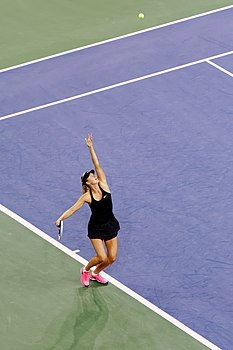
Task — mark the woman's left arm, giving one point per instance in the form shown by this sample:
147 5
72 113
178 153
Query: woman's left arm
99 171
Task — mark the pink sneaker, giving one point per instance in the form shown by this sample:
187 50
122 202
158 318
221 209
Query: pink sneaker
98 278
84 277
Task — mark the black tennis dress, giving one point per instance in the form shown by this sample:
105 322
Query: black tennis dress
102 223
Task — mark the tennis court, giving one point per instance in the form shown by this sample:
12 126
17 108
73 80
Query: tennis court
157 96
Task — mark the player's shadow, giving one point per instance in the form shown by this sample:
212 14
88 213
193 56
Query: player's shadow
88 317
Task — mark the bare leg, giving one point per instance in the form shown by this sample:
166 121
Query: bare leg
93 262
112 247
101 258
101 266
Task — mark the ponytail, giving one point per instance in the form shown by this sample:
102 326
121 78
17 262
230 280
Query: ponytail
85 188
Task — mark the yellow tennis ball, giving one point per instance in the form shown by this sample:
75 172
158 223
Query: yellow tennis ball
141 15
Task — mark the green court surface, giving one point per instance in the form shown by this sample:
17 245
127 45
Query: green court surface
46 307
32 29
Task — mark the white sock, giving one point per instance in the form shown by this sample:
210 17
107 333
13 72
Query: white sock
94 274
84 270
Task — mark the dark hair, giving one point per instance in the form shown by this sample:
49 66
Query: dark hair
85 188
85 176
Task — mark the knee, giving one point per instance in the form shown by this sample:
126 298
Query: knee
112 258
103 260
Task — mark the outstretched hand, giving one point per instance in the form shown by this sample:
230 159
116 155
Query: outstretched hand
57 223
89 140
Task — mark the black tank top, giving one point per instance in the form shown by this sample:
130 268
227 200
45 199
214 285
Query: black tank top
101 210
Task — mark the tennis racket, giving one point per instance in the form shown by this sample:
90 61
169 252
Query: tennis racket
60 230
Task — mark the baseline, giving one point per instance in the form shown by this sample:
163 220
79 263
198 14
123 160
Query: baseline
118 38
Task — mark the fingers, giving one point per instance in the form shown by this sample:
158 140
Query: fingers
88 140
57 223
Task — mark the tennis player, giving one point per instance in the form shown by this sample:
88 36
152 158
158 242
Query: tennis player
103 227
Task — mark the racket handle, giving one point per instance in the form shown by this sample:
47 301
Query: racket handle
60 230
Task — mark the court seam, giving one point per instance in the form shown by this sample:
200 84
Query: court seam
112 280
110 87
118 38
220 68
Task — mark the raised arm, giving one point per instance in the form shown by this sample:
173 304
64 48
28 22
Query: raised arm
99 171
80 202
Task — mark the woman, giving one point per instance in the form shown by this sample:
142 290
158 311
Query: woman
103 226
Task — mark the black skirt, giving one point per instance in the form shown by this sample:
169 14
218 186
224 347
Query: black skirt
104 231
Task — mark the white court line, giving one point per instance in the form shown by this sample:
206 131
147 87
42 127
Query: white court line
220 68
110 279
118 38
127 82
76 251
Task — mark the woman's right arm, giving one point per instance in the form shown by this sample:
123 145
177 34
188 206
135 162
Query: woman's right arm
80 202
